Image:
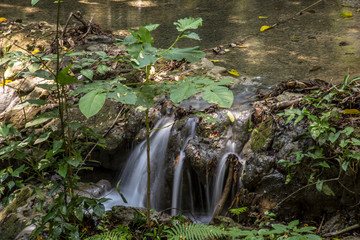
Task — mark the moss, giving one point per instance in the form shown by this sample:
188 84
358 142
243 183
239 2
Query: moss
11 228
262 136
20 200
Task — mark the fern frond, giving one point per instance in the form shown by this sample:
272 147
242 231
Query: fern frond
194 232
112 235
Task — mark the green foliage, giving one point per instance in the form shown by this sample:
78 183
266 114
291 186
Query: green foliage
119 233
194 231
331 142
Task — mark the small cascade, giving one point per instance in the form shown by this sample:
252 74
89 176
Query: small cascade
177 184
134 175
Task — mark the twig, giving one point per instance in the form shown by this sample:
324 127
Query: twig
348 229
302 188
298 13
322 221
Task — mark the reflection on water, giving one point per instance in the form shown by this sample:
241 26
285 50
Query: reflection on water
289 51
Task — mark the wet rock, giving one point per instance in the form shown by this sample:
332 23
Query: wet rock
94 190
8 99
12 71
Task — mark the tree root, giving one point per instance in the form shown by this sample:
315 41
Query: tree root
220 206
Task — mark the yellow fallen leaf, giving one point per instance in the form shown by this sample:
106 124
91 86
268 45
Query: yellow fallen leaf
35 51
241 46
263 17
264 28
346 14
213 60
2 19
351 111
231 116
234 72
64 48
5 82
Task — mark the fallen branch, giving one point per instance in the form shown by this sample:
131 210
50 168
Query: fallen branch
220 206
348 229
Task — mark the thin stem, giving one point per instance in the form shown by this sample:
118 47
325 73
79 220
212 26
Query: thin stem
148 168
177 39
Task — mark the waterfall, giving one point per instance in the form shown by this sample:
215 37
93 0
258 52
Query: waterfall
133 178
177 184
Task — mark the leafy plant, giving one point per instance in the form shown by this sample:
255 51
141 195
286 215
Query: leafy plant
194 231
119 233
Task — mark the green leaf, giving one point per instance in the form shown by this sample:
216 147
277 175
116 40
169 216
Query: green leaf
293 224
11 184
355 141
219 95
19 170
43 163
63 169
152 27
123 94
345 165
312 237
99 210
321 164
33 67
79 214
193 54
182 91
57 231
91 103
87 73
191 35
43 137
327 190
74 161
188 23
208 118
56 148
319 185
145 35
143 54
102 68
64 78
333 137
33 2
145 97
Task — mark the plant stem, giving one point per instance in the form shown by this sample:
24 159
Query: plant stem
148 195
148 168
172 45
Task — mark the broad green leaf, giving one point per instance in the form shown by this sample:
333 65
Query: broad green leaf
99 210
347 131
43 163
143 54
145 97
355 141
63 170
152 27
123 94
43 74
188 23
56 231
91 103
145 35
219 95
102 68
193 54
182 91
87 73
43 137
51 87
74 161
37 121
64 78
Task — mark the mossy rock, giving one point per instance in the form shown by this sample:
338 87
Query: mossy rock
11 228
262 136
20 200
